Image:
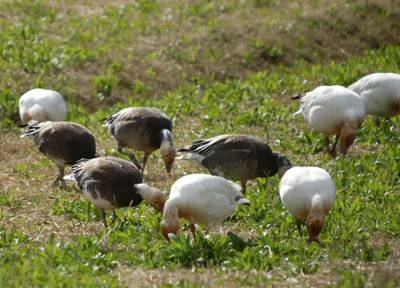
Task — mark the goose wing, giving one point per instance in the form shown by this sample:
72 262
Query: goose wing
206 147
139 116
109 178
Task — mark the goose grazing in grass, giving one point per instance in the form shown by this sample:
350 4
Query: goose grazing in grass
143 129
333 110
236 157
111 183
42 105
201 199
63 142
381 92
308 193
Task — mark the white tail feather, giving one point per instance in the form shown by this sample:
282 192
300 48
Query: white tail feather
297 112
69 177
191 157
243 201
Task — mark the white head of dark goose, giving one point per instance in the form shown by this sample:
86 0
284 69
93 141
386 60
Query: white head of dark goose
143 129
200 199
381 93
42 105
111 183
333 110
62 142
236 157
308 193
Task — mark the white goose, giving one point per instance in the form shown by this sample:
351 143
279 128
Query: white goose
202 199
308 193
42 105
333 110
381 92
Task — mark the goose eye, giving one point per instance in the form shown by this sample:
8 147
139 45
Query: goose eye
237 198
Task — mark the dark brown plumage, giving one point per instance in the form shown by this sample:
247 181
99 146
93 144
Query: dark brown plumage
62 142
143 129
236 157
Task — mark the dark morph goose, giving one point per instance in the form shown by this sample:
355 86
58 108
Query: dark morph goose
143 129
111 183
64 143
236 157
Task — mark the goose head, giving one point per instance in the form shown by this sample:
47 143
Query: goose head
347 136
170 221
151 195
167 149
284 164
315 218
36 113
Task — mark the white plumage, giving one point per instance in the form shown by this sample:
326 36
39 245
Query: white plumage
381 92
308 193
200 198
42 105
333 110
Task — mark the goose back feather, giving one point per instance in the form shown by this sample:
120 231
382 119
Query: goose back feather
42 105
381 92
108 182
202 199
139 128
236 157
63 142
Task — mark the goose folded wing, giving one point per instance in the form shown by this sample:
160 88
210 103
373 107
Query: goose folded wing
206 147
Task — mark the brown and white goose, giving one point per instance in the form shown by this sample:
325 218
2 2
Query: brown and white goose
236 157
111 183
63 142
143 129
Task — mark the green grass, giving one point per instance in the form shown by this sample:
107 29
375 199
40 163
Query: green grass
361 233
367 184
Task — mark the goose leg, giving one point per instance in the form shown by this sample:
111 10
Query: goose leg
316 240
193 230
145 158
103 217
131 156
59 181
298 225
134 160
243 186
327 143
114 216
377 121
332 150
